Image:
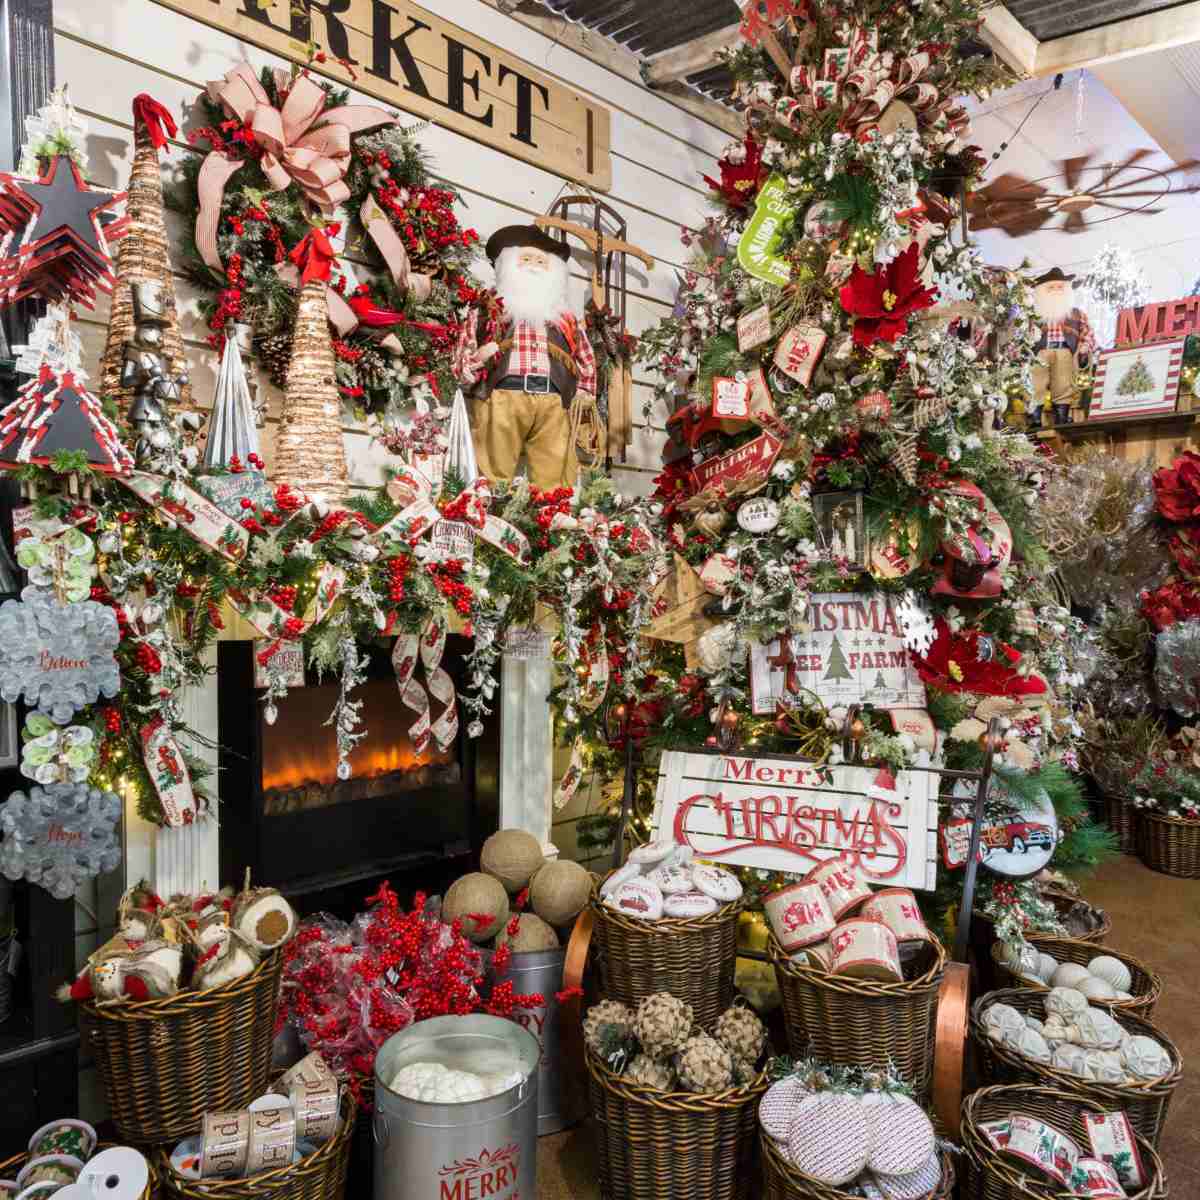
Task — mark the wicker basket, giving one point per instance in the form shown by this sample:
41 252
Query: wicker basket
1063 902
691 958
1121 816
673 1145
318 1176
165 1063
862 1022
1146 1103
10 1167
1146 986
782 1181
987 1174
1169 845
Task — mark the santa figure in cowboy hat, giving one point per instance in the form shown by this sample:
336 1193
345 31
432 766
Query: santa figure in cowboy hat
528 369
1066 342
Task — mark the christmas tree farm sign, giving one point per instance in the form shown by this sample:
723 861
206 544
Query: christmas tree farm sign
783 814
414 59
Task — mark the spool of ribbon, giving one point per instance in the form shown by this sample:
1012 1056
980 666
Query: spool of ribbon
159 123
293 151
428 649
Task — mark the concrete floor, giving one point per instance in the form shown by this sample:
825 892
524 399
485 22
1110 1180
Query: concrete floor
1155 918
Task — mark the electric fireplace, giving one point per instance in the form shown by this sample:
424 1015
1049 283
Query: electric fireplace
414 818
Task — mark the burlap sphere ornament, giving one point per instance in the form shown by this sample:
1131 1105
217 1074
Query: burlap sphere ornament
705 1065
559 891
662 1024
512 856
740 1031
607 1015
479 903
532 934
652 1073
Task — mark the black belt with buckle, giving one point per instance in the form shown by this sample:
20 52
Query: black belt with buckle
538 384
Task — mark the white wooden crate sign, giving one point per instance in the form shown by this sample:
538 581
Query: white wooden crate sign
780 814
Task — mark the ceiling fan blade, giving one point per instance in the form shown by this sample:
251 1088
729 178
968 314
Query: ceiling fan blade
1072 168
1124 209
1030 223
1112 170
1005 187
1074 223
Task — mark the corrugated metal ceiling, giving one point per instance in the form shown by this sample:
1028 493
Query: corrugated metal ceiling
1048 19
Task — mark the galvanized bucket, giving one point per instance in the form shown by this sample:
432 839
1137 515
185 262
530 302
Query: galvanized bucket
562 1098
426 1151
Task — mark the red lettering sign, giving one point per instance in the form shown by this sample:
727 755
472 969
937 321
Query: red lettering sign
1158 322
490 1173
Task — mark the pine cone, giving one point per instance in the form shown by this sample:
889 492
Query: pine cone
651 1072
740 1031
662 1024
705 1065
608 1032
274 353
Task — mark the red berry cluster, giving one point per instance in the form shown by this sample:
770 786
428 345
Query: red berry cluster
549 504
112 720
397 570
293 629
447 577
284 596
148 658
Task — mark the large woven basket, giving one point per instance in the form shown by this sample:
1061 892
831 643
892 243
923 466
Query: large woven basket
673 1145
1146 1103
318 1176
1063 901
988 1174
10 1168
1146 985
782 1181
1169 845
862 1022
692 958
1121 816
165 1063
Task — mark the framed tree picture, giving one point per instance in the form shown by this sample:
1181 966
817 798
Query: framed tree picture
1136 380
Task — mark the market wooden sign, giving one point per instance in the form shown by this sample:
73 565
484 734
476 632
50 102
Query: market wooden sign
1158 322
409 57
783 814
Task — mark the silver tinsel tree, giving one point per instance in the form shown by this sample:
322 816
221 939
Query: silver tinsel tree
1114 281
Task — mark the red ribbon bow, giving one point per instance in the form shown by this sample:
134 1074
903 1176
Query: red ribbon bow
314 255
159 123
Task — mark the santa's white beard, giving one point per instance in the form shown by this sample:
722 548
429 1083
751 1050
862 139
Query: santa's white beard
533 296
1053 308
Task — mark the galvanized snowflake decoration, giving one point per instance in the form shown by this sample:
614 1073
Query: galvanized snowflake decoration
916 623
59 657
59 835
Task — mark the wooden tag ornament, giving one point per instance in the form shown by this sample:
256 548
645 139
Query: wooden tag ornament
754 328
678 606
799 351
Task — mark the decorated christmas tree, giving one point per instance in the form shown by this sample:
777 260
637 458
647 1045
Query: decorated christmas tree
1136 379
881 352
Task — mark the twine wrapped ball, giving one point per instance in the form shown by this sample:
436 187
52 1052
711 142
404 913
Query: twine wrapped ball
901 1135
1068 975
663 1024
559 891
532 934
473 898
511 856
607 1015
1113 971
705 1065
741 1032
1072 1059
1047 965
1033 1045
830 1138
652 1073
1106 1066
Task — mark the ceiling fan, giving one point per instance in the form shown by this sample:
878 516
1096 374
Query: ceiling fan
1083 195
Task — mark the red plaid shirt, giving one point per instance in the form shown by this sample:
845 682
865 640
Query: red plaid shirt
529 354
1056 335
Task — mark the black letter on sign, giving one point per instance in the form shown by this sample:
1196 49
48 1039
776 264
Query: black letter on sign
385 45
250 9
525 104
455 96
335 32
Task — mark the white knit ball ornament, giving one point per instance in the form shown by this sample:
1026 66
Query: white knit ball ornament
1068 975
1001 1021
1066 1002
1095 988
1113 971
1106 1066
1047 965
830 1138
1032 1045
779 1106
1145 1058
1072 1059
901 1134
1097 1030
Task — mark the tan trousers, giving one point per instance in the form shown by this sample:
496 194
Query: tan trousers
506 423
1053 371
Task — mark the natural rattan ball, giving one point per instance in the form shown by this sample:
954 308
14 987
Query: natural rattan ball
559 891
662 1024
740 1031
705 1065
608 1014
532 934
512 856
651 1072
477 895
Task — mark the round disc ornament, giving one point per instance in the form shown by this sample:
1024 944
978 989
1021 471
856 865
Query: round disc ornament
821 222
637 898
760 514
1018 837
723 886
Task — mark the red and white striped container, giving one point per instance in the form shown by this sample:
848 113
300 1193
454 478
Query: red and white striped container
866 949
843 887
897 908
799 916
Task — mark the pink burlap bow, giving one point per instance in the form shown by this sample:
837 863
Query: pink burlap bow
293 151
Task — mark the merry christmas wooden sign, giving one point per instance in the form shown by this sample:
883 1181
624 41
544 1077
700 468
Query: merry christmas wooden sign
415 59
782 814
853 653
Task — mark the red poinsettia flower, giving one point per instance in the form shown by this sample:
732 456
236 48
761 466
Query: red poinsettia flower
958 662
882 301
1174 601
1177 488
740 181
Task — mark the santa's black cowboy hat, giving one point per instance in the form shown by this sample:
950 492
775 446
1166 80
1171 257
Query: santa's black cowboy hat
1054 275
524 235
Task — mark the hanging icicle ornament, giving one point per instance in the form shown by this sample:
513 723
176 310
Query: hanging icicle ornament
1114 281
347 714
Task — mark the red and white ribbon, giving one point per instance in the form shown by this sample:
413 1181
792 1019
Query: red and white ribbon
168 773
427 649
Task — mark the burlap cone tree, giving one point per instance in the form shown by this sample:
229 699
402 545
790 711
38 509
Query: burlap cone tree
309 453
142 256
